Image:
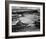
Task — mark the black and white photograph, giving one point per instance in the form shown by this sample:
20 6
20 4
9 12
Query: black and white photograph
25 19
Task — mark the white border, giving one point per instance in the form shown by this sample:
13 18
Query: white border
25 33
